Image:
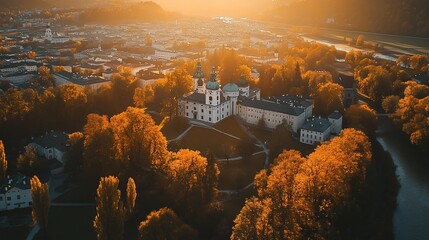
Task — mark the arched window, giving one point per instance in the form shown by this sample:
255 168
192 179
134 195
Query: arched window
210 98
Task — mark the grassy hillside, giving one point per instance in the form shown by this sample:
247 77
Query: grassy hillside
403 17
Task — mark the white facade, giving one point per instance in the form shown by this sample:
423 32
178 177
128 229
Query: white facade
317 130
253 115
314 137
16 193
19 68
48 152
208 102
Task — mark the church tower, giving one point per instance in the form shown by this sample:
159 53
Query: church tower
213 90
48 32
198 76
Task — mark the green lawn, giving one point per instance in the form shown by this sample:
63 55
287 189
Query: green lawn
230 125
266 136
238 174
204 140
156 117
171 131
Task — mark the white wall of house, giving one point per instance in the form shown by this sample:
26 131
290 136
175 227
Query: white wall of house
314 137
15 198
49 153
272 119
337 125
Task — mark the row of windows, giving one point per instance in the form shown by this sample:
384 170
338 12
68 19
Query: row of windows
18 197
315 137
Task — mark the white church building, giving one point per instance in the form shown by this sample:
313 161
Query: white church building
52 37
211 103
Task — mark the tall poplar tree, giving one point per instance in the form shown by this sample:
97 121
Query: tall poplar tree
41 204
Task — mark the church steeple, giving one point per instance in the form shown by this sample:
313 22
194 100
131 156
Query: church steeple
199 72
212 83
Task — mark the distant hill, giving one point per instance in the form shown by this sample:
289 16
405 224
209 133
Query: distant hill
143 11
402 17
99 11
43 4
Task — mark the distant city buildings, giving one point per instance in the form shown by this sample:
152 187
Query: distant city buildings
93 82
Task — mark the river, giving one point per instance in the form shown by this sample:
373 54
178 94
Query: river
411 219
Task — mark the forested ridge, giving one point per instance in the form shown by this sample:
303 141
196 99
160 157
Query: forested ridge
402 17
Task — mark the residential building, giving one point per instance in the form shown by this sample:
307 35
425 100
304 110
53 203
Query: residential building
51 145
15 193
317 129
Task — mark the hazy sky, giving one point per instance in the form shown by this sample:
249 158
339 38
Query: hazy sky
218 7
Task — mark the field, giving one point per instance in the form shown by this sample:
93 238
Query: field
231 126
205 140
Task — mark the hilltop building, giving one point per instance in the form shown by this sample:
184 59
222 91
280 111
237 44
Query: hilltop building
211 103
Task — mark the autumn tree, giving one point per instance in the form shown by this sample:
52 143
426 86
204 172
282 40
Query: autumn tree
111 210
30 163
306 198
99 152
252 223
411 112
375 81
420 63
361 117
3 163
333 173
177 84
59 69
187 172
74 155
142 96
137 140
328 98
148 41
131 197
40 204
315 80
75 103
45 77
390 104
165 224
31 54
